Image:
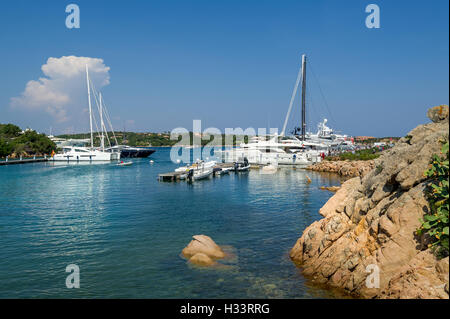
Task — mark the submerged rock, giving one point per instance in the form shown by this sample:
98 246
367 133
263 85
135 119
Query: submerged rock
370 224
203 244
201 259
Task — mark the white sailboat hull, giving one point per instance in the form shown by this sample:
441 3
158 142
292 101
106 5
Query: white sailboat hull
85 155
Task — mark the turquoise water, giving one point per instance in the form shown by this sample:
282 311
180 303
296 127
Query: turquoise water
125 230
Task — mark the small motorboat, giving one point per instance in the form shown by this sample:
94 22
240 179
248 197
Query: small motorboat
198 174
242 166
122 163
222 171
200 170
196 165
202 174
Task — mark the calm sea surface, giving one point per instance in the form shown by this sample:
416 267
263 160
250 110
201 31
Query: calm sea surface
125 230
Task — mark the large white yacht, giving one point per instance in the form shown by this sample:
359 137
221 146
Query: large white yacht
281 149
276 150
326 135
76 153
82 153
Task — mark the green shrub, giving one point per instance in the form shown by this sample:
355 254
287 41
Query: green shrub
361 155
435 223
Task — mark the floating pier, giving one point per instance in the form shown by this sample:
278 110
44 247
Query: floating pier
176 176
170 177
23 161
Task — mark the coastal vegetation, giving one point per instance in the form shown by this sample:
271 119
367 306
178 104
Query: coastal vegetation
371 140
15 142
360 155
435 224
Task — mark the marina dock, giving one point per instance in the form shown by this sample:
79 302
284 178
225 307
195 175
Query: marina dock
170 177
175 176
23 161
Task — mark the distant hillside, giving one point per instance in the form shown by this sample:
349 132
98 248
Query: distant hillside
147 139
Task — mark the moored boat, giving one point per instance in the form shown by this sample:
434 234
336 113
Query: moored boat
201 174
72 153
298 150
122 163
196 165
83 153
243 166
132 152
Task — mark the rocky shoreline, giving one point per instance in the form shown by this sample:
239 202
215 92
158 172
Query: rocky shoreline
366 244
344 168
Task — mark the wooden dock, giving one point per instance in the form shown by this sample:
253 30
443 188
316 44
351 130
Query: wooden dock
176 176
171 176
23 161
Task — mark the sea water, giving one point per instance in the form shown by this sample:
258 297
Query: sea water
125 231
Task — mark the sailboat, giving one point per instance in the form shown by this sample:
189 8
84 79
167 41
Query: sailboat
83 153
287 150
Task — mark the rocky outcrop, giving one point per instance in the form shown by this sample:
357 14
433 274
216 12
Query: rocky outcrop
344 168
369 226
438 113
202 251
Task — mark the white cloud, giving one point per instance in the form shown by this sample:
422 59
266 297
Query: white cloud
62 92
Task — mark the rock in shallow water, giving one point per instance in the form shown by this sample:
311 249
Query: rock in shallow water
201 259
202 251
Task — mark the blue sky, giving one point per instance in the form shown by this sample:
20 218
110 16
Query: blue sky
234 63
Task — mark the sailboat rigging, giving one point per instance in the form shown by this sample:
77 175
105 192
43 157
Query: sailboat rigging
81 153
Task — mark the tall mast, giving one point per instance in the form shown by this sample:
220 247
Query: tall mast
303 96
102 138
294 93
90 106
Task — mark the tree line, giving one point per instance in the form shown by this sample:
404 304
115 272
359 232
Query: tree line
15 142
